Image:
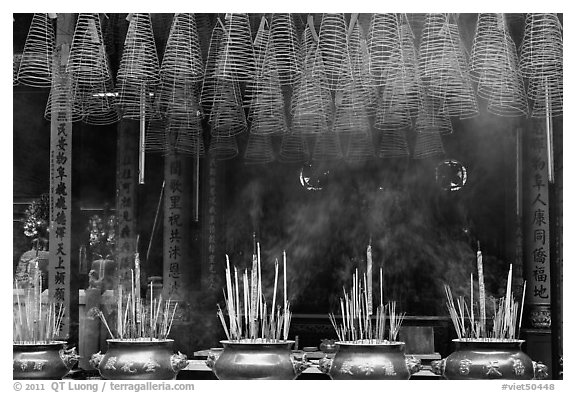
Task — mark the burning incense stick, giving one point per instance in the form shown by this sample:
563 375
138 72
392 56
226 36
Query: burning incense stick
369 274
481 289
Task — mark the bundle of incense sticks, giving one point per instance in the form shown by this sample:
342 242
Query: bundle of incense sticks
506 322
357 323
248 315
137 319
35 322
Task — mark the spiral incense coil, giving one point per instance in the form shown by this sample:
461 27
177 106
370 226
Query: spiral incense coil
209 81
333 46
360 67
327 147
61 99
541 61
311 104
139 63
393 144
428 144
360 147
294 147
182 140
261 47
223 147
156 135
98 103
227 116
494 65
351 115
236 59
135 101
182 59
16 59
36 64
393 111
184 110
286 48
432 118
443 66
259 149
309 45
383 46
411 81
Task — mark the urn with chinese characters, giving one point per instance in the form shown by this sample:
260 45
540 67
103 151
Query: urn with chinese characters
46 360
256 359
139 359
370 359
489 359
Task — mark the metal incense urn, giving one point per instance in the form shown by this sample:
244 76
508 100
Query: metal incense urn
250 359
49 360
489 359
363 359
141 359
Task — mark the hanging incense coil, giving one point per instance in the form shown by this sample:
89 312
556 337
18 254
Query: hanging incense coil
61 99
360 147
259 149
182 59
294 147
494 65
428 144
286 48
411 81
392 111
139 70
333 46
432 117
209 81
360 67
261 46
227 116
443 66
327 147
350 115
223 147
156 135
236 59
16 59
393 144
180 139
38 55
384 47
541 61
98 103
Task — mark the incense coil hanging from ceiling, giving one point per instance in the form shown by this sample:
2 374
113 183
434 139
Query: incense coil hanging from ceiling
209 80
236 57
383 46
294 147
227 117
38 56
285 45
333 48
89 70
261 43
428 144
139 71
432 117
494 66
327 147
444 68
259 149
541 61
350 114
359 58
16 59
393 144
359 147
61 99
223 147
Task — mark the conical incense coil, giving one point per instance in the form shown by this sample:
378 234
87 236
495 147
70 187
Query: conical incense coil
16 59
227 116
261 47
156 135
236 59
209 81
350 115
61 99
392 111
182 59
183 110
428 144
259 149
38 55
360 147
98 103
432 118
411 81
183 140
549 96
286 48
327 147
88 62
383 46
223 147
136 101
311 104
393 144
178 97
294 147
333 46
139 63
360 67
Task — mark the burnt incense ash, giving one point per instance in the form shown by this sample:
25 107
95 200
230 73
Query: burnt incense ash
251 317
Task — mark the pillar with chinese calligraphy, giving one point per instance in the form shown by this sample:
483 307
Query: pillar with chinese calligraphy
126 198
59 267
537 232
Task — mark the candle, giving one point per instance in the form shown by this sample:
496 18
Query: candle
369 277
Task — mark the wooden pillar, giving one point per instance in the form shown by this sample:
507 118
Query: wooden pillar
59 268
126 198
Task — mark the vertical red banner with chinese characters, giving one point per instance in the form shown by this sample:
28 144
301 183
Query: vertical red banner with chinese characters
176 228
126 195
537 235
60 188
